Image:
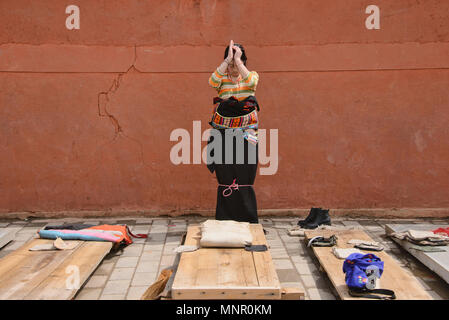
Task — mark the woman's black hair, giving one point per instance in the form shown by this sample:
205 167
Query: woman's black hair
243 57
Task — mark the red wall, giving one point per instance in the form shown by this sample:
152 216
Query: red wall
86 115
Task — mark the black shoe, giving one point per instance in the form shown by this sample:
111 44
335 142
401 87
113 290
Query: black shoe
321 218
312 214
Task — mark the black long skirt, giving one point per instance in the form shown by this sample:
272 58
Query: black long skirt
232 203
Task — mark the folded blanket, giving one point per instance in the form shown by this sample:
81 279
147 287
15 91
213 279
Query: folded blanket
422 237
225 233
426 235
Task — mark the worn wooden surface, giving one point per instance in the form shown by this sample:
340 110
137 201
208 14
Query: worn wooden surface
395 278
226 273
6 236
295 293
51 275
438 262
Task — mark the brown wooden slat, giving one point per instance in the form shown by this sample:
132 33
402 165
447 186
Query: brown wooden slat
86 258
207 273
219 293
225 273
23 270
28 274
266 272
7 236
395 278
188 263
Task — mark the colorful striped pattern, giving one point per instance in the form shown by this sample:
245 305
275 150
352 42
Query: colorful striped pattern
79 235
245 121
226 88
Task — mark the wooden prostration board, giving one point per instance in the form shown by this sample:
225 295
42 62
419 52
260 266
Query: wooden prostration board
49 275
226 273
395 278
438 262
6 236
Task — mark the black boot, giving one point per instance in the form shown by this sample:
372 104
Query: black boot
312 214
321 218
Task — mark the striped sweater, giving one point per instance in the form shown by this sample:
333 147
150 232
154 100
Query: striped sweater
226 88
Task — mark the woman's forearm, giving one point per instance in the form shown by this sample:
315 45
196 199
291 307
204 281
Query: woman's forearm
242 69
223 66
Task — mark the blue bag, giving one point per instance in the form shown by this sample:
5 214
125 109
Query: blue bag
360 270
355 266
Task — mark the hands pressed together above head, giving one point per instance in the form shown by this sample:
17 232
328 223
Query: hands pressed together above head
232 64
231 56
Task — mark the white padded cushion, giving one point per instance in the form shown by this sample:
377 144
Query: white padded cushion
225 233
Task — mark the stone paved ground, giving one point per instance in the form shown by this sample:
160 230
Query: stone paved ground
127 274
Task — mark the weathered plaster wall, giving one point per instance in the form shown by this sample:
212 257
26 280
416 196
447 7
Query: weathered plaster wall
86 115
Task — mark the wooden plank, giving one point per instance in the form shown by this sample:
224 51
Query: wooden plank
186 275
23 273
405 286
266 272
206 273
225 273
6 236
248 269
22 270
438 262
292 294
78 266
220 293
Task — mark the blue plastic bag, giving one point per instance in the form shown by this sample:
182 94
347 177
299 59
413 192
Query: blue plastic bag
355 266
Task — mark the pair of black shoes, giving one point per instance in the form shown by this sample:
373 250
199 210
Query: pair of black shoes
316 217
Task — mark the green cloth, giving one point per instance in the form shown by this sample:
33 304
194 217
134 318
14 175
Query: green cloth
427 248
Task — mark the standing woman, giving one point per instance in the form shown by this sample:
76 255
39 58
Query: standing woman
235 115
